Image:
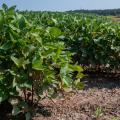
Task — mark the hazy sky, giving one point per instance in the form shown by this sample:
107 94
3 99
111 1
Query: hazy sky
62 5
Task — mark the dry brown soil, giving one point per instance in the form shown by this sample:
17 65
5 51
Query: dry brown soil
100 100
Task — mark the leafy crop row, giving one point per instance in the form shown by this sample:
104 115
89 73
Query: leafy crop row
32 59
94 40
38 49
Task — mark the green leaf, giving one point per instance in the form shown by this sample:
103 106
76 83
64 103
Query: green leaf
80 75
3 96
11 10
14 28
1 19
76 68
1 77
64 74
16 110
55 32
22 23
11 72
25 85
37 64
19 62
6 46
66 81
4 6
79 85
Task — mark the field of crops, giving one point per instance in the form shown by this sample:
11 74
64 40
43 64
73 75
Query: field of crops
43 54
94 40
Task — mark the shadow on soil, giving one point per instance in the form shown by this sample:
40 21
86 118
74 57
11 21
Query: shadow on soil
101 80
43 111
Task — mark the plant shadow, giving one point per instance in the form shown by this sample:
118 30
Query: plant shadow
101 80
43 110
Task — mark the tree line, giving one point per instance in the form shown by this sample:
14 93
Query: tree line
114 12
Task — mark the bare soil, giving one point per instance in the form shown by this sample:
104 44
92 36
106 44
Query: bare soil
100 100
115 18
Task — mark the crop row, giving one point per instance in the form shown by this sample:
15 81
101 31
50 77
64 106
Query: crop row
32 61
94 40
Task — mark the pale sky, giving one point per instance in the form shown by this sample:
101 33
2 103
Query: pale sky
62 5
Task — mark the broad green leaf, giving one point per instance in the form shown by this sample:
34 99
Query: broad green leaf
54 20
3 96
1 19
64 75
4 6
79 85
66 81
11 72
19 62
11 10
14 28
80 75
37 64
14 35
6 46
25 85
55 32
1 76
22 23
76 68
